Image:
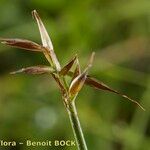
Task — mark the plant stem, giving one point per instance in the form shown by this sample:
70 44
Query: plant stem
77 130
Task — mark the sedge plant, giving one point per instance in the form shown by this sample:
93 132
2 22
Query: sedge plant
78 78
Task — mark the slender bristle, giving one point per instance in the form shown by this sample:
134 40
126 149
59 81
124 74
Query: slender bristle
133 101
91 60
15 72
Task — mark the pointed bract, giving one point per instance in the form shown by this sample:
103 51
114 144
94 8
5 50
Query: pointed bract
67 67
46 41
77 84
23 44
101 86
35 70
89 65
79 81
61 87
77 70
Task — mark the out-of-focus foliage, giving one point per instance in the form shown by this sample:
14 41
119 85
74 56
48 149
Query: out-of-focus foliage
118 31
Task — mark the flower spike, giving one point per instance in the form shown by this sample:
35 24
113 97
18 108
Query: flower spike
79 81
46 41
35 70
23 44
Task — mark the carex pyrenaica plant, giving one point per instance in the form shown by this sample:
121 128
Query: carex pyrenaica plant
78 78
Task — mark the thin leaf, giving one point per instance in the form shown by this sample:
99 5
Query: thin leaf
23 44
35 70
67 67
101 86
46 41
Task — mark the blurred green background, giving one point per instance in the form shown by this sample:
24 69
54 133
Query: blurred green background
118 31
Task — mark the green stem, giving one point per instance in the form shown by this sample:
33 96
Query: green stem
77 130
